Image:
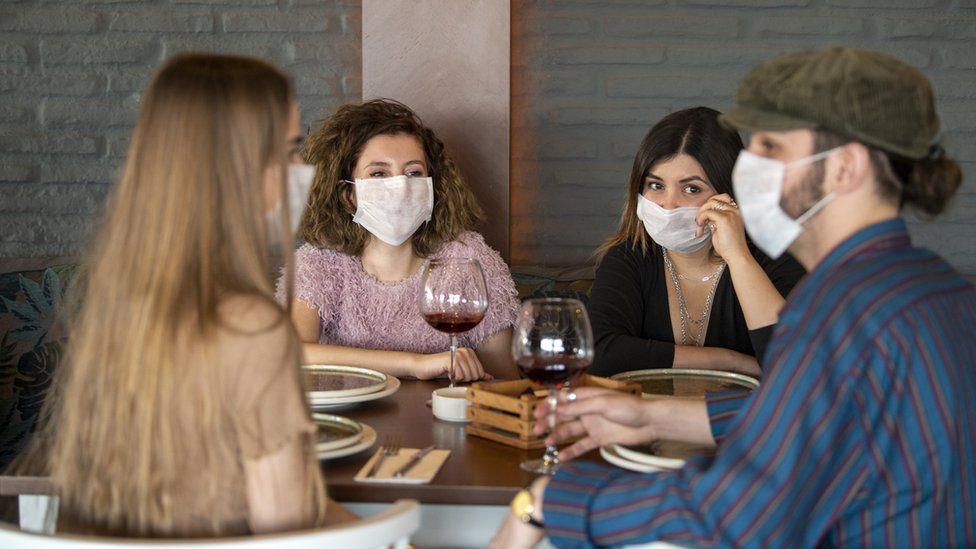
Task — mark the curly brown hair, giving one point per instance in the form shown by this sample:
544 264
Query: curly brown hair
334 150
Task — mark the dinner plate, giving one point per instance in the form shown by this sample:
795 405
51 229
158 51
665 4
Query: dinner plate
335 432
667 454
331 381
610 454
335 403
686 383
367 440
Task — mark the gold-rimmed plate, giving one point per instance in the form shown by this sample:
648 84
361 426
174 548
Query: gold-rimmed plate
367 440
336 403
686 382
334 432
326 381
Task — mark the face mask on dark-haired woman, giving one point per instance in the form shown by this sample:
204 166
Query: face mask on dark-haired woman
672 229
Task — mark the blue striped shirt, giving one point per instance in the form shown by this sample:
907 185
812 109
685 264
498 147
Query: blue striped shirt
863 432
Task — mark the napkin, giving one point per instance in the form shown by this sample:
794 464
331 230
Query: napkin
422 472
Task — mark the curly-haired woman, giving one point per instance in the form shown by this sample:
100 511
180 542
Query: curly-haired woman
387 198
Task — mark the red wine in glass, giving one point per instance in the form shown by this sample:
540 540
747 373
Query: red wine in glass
552 370
453 323
552 343
453 299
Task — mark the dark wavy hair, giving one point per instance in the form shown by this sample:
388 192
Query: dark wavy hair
695 132
334 150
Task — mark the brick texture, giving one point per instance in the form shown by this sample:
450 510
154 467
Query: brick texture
72 73
590 78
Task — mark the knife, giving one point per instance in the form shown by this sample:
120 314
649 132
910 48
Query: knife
414 460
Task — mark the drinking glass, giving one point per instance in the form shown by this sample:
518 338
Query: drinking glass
454 299
552 344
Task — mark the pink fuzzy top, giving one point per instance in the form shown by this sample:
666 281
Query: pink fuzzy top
357 310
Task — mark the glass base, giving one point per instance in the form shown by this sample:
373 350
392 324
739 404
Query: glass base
540 466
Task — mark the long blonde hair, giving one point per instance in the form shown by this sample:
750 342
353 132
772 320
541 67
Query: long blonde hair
185 229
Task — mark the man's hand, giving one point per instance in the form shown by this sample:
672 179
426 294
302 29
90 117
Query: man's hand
601 417
515 534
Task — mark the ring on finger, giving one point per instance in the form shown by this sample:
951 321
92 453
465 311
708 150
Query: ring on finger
718 206
733 204
712 227
571 396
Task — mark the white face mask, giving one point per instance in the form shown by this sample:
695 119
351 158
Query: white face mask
758 185
672 229
297 186
393 208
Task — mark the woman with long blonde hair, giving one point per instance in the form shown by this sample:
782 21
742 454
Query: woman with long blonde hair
180 410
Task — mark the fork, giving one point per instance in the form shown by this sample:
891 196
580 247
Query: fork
390 447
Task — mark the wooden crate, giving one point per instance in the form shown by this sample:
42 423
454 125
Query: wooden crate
503 410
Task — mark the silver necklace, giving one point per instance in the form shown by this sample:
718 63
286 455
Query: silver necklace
717 272
700 325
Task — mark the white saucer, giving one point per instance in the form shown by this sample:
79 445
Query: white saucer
647 459
610 454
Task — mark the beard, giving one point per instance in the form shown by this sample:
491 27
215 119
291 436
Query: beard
807 192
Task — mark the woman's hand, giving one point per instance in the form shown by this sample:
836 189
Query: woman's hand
600 417
721 214
467 367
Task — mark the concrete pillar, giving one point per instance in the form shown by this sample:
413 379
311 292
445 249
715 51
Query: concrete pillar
449 60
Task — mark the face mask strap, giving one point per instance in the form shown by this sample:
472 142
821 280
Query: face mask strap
828 197
814 157
815 208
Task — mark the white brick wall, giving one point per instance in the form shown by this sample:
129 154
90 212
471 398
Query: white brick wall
72 72
591 77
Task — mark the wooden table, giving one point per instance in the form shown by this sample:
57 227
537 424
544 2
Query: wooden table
478 471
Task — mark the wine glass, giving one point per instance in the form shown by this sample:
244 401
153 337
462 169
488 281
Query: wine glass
552 344
454 298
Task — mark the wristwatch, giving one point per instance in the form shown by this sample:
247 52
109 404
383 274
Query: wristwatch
523 505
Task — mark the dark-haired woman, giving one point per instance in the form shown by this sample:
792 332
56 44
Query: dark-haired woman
385 199
679 285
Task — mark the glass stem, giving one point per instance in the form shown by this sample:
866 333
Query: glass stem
450 370
551 458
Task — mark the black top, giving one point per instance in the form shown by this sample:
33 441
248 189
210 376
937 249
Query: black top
632 323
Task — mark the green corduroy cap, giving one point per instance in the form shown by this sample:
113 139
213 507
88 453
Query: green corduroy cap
867 95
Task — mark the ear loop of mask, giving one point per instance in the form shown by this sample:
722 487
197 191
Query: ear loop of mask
827 198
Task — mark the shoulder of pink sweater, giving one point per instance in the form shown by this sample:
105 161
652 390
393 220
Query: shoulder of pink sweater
319 274
467 244
321 258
